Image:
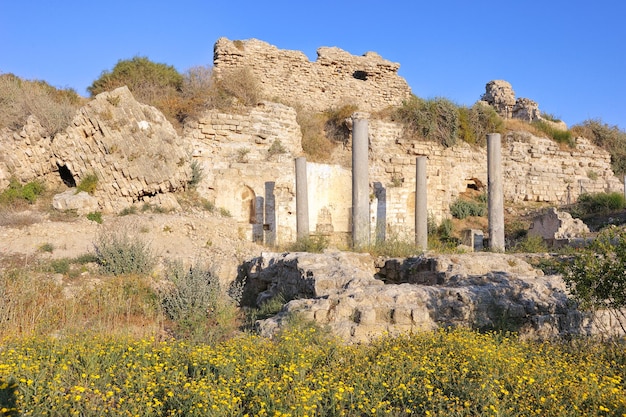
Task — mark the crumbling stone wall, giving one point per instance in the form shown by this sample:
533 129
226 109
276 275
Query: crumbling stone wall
535 169
334 79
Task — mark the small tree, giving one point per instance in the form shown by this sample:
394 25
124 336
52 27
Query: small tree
596 277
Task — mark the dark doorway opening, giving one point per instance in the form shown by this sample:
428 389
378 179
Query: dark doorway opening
66 176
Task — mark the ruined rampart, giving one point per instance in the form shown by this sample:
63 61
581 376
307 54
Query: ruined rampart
334 79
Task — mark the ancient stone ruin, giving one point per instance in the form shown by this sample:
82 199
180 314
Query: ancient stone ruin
500 95
247 157
336 78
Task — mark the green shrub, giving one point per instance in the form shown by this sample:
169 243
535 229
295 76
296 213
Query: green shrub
197 174
313 244
595 276
530 244
277 148
16 191
95 216
394 247
196 303
462 209
118 253
435 120
558 135
88 184
599 203
126 211
477 121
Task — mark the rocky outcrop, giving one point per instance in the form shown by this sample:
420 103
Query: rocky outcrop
480 290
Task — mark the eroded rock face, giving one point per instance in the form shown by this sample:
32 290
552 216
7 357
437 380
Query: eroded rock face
479 290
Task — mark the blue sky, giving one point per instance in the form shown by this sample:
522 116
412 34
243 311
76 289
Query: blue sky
568 56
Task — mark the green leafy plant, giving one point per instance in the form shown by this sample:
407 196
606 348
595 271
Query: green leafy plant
195 302
16 191
88 184
599 203
197 174
118 253
595 276
558 135
313 244
95 216
434 120
276 148
463 208
46 247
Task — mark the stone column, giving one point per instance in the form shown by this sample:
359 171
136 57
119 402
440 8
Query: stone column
270 214
624 186
360 181
302 199
421 207
496 193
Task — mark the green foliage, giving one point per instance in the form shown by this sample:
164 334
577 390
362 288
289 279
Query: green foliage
313 244
54 108
126 211
599 203
95 216
463 208
276 148
16 191
530 244
595 276
197 174
46 247
119 253
435 120
88 184
477 121
393 247
144 78
195 302
611 138
558 135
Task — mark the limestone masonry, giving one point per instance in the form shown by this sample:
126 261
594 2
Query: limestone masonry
336 78
247 158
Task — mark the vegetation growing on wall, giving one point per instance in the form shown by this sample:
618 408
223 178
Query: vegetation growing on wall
610 138
54 108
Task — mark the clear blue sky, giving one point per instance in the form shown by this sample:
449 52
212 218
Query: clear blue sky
568 56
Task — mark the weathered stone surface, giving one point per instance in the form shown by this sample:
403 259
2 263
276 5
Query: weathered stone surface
482 290
82 202
336 78
500 95
132 149
557 225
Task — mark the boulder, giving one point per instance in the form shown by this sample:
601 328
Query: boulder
82 202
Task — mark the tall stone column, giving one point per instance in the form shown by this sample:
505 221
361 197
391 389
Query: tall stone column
360 181
302 199
496 193
421 206
270 214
